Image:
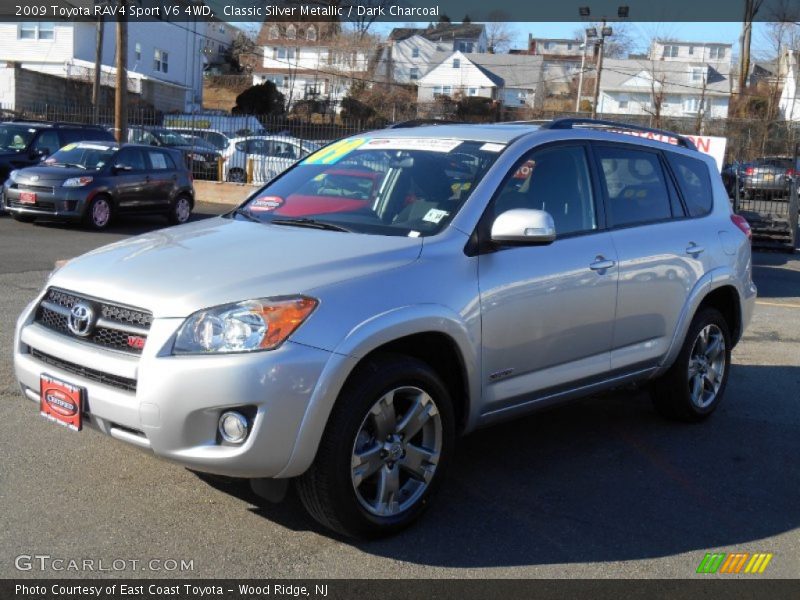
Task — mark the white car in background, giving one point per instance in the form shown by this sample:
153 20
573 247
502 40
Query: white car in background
270 155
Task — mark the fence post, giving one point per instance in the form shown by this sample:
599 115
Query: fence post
736 191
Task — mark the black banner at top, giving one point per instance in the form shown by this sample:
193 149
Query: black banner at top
402 11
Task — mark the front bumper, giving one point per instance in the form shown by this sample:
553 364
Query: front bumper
175 408
63 203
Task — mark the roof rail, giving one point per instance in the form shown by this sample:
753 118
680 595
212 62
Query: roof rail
570 123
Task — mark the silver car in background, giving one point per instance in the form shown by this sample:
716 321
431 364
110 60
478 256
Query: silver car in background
390 292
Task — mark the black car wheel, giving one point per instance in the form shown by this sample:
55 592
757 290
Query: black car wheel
99 213
237 176
180 211
384 451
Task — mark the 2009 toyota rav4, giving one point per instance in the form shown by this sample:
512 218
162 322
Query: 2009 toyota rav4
394 290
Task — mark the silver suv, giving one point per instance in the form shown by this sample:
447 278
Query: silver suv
390 292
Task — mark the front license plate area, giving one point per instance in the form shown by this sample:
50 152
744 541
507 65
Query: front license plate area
27 197
61 402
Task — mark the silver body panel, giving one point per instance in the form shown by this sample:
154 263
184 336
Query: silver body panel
533 324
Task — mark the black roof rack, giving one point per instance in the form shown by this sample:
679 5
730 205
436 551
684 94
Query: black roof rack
570 123
53 124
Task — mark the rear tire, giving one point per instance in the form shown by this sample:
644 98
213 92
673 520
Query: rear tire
694 386
180 210
23 218
384 452
99 213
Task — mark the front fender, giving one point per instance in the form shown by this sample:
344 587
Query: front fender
363 339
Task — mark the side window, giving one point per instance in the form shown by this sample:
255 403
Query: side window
70 136
556 180
241 146
47 140
160 161
695 183
284 150
635 186
131 157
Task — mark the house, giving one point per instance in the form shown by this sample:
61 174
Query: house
552 47
561 61
217 43
165 60
635 87
789 68
514 81
310 60
716 54
408 52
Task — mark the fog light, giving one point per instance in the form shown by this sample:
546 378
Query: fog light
233 427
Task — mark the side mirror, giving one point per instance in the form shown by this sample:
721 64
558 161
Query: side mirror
40 153
524 226
120 168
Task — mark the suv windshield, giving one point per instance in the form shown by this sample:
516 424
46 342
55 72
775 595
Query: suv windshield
392 186
15 137
84 155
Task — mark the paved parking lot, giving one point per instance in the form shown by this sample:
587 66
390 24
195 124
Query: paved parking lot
601 488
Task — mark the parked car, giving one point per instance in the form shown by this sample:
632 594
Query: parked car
217 139
769 176
201 161
344 345
730 172
94 182
270 156
25 143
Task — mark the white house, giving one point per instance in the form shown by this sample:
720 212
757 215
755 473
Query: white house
513 80
716 54
634 87
409 52
554 47
310 60
789 102
165 59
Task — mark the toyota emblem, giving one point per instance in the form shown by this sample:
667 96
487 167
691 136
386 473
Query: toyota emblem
81 319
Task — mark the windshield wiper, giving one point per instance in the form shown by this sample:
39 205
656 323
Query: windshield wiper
73 165
246 214
311 223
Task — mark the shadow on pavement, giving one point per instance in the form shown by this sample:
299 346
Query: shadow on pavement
606 479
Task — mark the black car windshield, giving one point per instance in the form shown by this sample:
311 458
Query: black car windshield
384 186
15 137
85 155
171 138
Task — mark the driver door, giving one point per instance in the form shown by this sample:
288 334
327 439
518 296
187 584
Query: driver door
548 310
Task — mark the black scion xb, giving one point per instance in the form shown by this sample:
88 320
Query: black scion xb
95 181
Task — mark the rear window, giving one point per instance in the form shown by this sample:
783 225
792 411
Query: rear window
694 182
160 161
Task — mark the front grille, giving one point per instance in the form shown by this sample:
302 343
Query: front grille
42 206
28 187
122 383
116 327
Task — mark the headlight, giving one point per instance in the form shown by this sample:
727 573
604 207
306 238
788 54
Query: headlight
243 327
78 181
13 175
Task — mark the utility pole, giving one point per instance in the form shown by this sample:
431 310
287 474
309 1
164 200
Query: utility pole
583 68
121 98
98 65
601 43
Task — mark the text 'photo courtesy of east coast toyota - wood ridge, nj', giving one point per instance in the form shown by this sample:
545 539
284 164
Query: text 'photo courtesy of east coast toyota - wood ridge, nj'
399 299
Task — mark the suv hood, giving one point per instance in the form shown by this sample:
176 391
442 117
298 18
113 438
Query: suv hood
177 271
43 174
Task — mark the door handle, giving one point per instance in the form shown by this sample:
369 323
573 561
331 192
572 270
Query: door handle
694 249
602 264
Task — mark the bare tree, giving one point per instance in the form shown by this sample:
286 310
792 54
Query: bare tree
498 33
618 45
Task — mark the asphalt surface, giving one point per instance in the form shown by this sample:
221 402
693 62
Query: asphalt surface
601 488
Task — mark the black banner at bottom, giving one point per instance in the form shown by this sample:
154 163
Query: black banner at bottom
391 589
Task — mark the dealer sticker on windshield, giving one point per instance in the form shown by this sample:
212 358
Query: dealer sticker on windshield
429 144
435 215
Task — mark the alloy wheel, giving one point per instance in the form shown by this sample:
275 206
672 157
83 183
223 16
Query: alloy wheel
707 364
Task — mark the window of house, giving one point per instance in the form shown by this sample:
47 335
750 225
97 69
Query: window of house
415 52
670 51
456 63
554 179
274 33
692 104
472 91
697 74
291 32
160 61
694 182
635 185
447 90
548 45
137 51
691 49
413 73
465 46
623 104
311 33
284 53
36 31
569 45
717 52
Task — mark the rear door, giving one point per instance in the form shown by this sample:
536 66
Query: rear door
662 253
163 176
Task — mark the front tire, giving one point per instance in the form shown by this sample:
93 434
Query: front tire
694 386
99 213
384 451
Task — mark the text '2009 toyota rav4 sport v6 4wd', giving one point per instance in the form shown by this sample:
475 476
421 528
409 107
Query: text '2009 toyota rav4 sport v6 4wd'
394 290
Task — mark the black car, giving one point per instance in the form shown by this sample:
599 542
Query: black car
201 160
93 182
25 143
